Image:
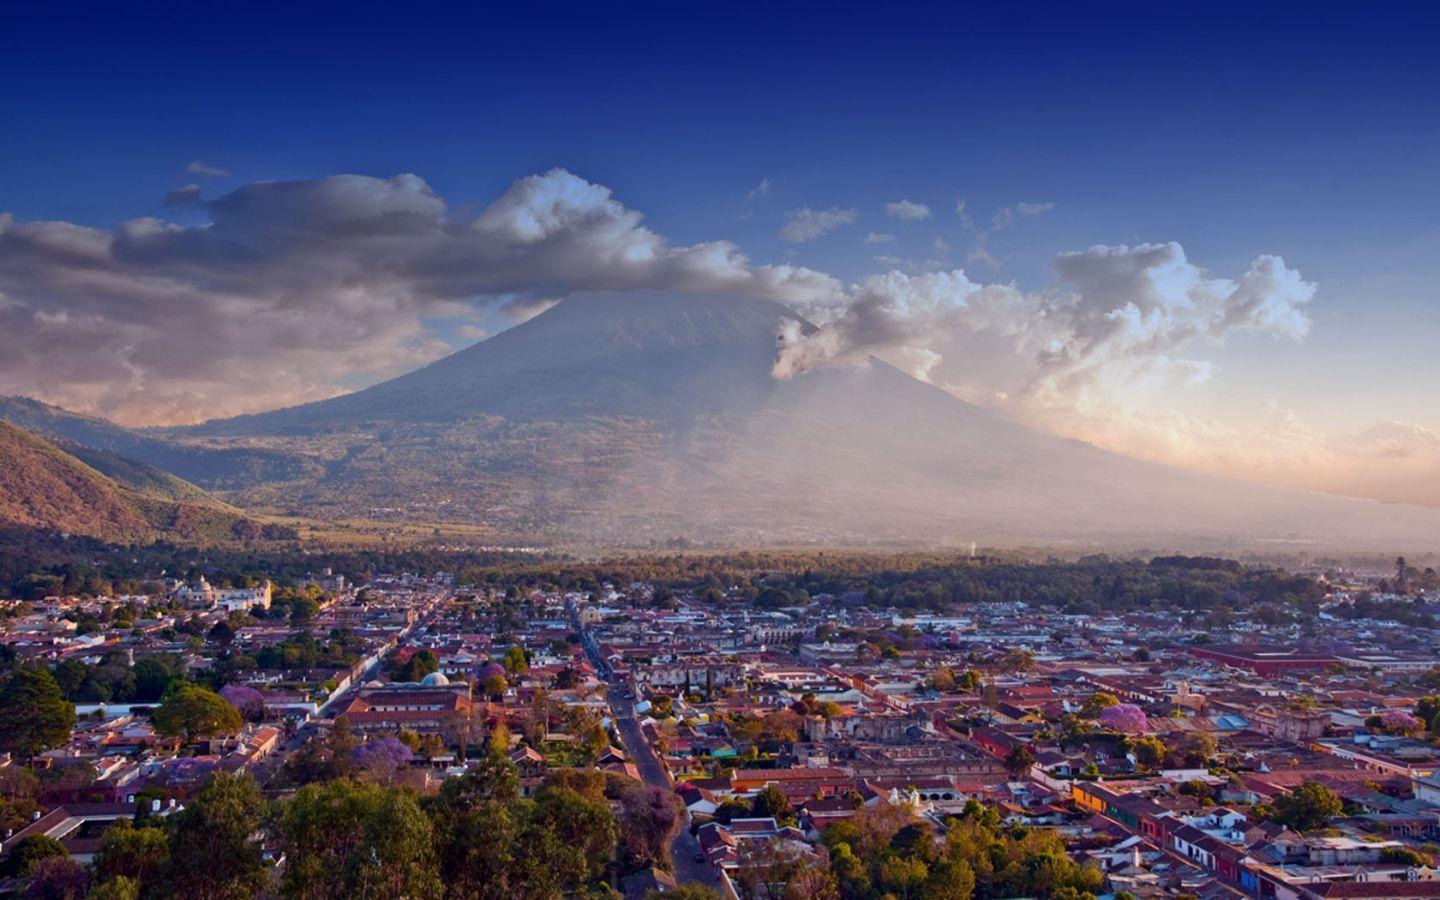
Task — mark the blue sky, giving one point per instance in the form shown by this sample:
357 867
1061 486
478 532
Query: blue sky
1234 129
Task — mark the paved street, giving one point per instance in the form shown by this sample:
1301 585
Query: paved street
684 847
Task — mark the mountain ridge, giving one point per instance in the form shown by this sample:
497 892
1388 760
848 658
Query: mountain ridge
44 486
642 416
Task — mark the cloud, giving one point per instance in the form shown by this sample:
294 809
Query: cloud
964 216
1390 461
189 195
206 170
1007 215
910 212
805 224
1089 358
875 237
759 190
1131 313
294 291
980 255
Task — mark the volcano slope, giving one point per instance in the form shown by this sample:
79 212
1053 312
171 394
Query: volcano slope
642 417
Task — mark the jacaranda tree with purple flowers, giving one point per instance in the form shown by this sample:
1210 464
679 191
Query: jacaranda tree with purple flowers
1125 718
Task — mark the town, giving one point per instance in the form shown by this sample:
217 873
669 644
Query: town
751 740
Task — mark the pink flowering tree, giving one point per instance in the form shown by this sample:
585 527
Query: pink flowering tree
1125 718
1397 721
248 702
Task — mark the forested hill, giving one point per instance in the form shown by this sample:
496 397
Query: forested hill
44 487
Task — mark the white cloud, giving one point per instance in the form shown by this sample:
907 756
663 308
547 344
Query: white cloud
875 237
1088 360
964 216
759 190
1007 216
1133 312
206 170
294 291
905 209
805 224
979 255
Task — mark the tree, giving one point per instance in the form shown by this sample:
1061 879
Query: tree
155 674
594 741
1149 751
497 742
1019 760
649 818
431 746
137 854
340 743
1309 806
303 610
687 891
119 888
1196 748
57 878
730 810
381 758
850 871
416 667
515 660
811 882
345 838
1097 702
193 713
941 679
572 835
222 633
27 852
902 876
1404 856
949 879
1016 660
1397 721
18 789
770 802
494 686
767 869
34 717
248 702
1125 718
477 824
1198 789
1427 710
212 854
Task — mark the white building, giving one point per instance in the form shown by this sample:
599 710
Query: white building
204 596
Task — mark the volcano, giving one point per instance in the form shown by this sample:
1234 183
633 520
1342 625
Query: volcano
644 417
